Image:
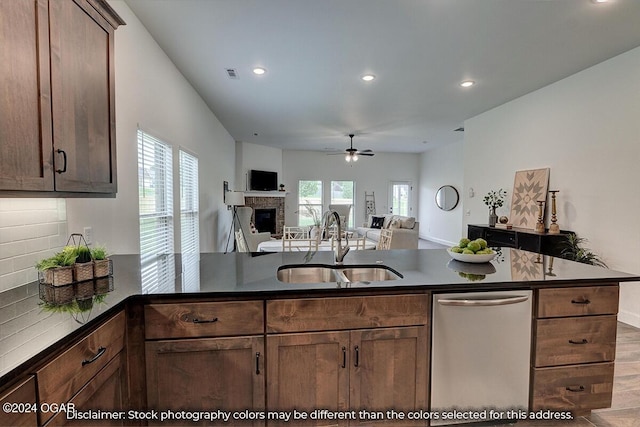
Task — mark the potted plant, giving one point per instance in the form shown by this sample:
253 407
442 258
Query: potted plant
83 267
101 261
494 199
58 269
575 252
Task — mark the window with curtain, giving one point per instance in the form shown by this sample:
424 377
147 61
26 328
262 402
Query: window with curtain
309 202
342 193
155 190
189 222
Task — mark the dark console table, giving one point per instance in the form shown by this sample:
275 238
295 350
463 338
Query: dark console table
521 238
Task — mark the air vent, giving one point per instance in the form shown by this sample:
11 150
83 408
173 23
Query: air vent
232 73
459 130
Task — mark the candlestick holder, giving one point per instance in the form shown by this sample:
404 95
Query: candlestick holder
554 228
540 223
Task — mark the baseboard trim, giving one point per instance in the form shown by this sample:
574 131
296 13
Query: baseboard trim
436 240
629 318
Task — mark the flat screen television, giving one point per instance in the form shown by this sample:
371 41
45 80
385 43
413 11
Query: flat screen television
263 180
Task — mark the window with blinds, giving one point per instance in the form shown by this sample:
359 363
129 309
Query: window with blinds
155 187
189 222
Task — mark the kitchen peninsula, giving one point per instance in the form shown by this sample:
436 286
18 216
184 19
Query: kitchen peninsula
227 334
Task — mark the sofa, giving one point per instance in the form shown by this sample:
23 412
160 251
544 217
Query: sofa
404 230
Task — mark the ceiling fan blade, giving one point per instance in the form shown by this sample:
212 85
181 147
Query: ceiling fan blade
368 150
362 153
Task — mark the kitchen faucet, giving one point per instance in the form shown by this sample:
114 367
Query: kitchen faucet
340 252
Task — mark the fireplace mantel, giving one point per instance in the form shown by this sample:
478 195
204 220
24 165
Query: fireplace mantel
265 193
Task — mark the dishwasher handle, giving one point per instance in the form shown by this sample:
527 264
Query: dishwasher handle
469 302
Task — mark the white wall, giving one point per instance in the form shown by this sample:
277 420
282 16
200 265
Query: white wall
438 167
151 93
254 156
586 128
371 174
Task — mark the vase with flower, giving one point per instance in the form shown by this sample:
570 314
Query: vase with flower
494 199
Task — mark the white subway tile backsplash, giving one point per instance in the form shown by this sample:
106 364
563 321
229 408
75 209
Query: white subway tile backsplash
30 229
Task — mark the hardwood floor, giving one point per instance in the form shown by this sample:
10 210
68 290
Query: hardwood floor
625 407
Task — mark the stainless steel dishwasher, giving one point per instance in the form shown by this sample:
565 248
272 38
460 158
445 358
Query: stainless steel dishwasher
480 352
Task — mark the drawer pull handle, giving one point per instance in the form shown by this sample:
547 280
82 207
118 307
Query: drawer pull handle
100 352
576 389
580 302
357 362
257 363
196 320
583 341
64 165
344 357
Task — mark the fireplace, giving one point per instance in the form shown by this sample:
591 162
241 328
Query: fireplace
269 204
265 219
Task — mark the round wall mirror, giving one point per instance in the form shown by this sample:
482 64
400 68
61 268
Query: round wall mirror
447 198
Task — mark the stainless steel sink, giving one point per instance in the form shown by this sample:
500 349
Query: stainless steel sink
302 273
369 274
307 274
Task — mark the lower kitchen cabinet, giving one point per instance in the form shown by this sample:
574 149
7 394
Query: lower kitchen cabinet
574 347
348 371
20 395
105 392
348 354
207 374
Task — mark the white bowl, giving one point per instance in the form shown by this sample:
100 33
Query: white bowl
475 258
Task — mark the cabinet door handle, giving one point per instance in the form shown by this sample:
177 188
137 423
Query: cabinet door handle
576 389
64 157
357 361
344 357
100 352
583 341
257 363
196 320
581 301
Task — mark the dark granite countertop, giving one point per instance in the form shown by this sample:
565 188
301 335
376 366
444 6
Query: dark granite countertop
27 328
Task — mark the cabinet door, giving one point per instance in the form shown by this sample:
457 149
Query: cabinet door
22 394
308 371
389 370
25 109
82 86
206 375
104 392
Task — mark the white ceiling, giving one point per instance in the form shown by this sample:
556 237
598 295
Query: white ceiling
420 50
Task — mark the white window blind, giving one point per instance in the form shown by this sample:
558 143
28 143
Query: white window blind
189 223
155 186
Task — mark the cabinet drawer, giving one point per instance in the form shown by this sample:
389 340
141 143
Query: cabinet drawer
579 301
317 314
575 388
574 340
203 319
501 238
24 393
64 376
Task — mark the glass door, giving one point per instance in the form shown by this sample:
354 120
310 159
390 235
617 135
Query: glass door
400 198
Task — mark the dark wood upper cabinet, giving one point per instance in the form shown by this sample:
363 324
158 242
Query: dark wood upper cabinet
57 114
26 153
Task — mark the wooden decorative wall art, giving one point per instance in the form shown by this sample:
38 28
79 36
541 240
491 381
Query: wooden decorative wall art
529 186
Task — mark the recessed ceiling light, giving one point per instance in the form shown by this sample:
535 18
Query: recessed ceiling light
259 71
600 1
368 77
467 83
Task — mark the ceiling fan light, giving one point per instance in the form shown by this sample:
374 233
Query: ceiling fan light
355 157
347 157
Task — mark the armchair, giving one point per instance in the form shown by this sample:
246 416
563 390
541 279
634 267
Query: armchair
244 224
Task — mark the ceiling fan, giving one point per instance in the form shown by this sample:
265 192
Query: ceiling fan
352 154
